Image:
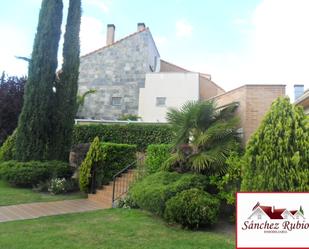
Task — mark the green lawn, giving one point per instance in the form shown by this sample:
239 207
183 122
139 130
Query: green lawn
10 196
112 228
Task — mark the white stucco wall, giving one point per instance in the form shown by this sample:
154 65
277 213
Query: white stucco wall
177 88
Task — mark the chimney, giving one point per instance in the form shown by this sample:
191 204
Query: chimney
110 34
140 26
298 91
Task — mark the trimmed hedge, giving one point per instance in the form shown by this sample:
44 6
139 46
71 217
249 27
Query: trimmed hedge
139 134
193 208
157 154
115 158
152 192
106 159
28 174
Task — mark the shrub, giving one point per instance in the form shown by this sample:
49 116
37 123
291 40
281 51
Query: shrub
126 202
277 155
139 134
7 150
229 183
104 160
115 158
157 154
192 208
93 157
57 186
27 174
152 192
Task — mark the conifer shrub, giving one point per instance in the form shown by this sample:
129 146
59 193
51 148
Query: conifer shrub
277 155
192 208
7 150
93 158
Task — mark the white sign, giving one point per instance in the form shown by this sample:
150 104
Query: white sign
272 220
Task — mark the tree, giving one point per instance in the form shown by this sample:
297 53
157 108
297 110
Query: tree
277 155
11 102
205 136
34 127
65 105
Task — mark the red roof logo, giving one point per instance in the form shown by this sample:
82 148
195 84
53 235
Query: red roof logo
260 212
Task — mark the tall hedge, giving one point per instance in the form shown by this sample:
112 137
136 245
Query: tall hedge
34 127
277 155
65 105
115 158
156 155
139 134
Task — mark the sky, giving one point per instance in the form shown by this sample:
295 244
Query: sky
236 41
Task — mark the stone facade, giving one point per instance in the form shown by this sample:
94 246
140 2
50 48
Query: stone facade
254 101
117 72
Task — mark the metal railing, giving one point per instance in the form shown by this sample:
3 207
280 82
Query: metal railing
121 185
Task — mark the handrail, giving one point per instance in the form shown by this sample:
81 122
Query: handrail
114 198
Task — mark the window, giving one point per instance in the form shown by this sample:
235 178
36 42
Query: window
116 101
259 216
160 101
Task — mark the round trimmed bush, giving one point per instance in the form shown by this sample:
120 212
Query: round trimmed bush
152 192
193 208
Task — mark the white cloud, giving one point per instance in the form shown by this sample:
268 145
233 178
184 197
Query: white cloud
14 46
92 35
183 28
99 4
276 49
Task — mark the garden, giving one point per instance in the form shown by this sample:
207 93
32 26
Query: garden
185 191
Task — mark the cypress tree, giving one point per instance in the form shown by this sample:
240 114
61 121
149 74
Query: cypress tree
277 155
66 87
34 126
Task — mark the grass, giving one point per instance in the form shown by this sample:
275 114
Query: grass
106 229
10 195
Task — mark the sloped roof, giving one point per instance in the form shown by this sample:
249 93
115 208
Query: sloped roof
116 42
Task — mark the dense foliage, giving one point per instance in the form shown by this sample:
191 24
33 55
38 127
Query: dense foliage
7 150
277 155
102 161
229 183
115 158
35 126
152 192
11 101
28 174
93 158
192 208
205 136
139 134
65 102
157 154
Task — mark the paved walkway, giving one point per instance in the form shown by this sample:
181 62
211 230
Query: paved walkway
40 209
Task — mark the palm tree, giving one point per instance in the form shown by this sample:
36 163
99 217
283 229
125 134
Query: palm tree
205 136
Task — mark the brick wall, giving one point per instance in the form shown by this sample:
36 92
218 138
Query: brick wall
254 102
207 88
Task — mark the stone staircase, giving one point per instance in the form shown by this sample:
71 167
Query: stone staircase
104 196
